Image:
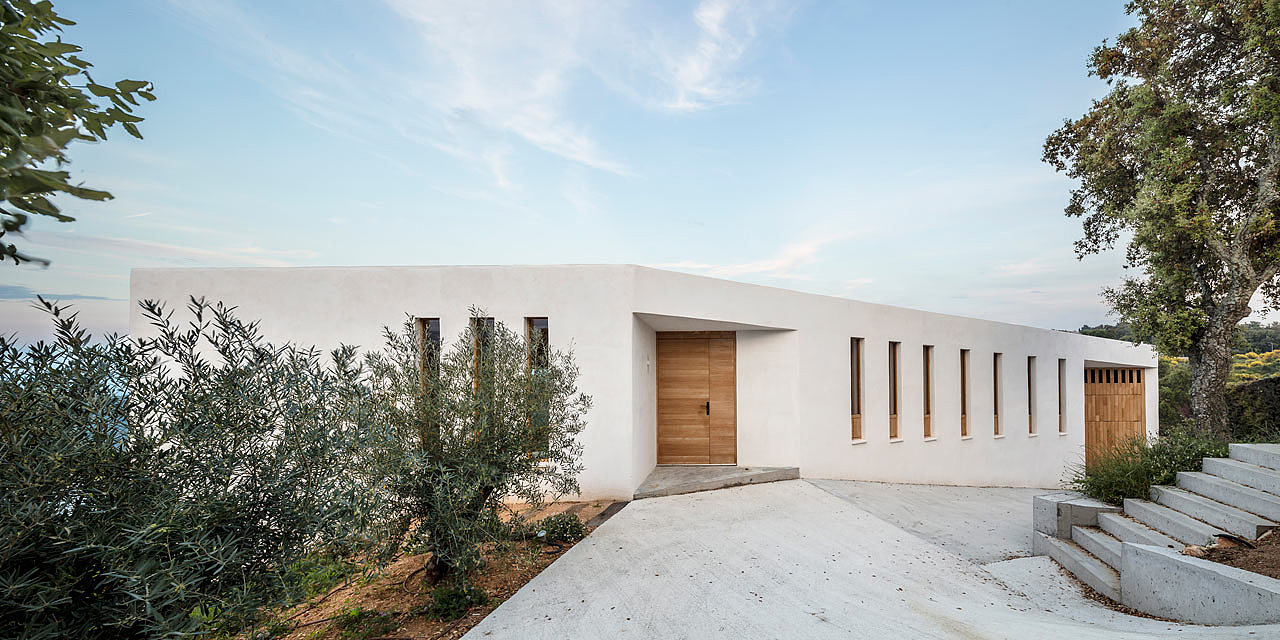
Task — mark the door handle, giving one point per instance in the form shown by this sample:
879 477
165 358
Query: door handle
708 407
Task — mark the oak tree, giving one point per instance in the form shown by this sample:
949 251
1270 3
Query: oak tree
1179 161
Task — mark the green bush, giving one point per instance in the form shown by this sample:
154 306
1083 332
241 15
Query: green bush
359 623
1131 468
318 572
164 487
1253 410
561 527
451 601
1175 393
178 485
469 428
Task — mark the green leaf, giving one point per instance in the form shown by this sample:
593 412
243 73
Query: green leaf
131 86
99 90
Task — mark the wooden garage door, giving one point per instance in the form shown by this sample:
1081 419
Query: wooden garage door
1115 408
697 397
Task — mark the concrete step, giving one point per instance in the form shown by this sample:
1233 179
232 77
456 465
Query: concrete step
1233 493
1250 475
1174 524
670 480
1263 455
1127 529
1225 517
1099 543
1084 566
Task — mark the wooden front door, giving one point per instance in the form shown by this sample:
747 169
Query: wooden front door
697 397
1115 409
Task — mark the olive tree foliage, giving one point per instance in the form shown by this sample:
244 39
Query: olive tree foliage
48 99
1180 160
490 419
165 486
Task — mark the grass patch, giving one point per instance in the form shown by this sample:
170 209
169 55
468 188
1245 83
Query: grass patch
1131 468
451 602
317 573
359 623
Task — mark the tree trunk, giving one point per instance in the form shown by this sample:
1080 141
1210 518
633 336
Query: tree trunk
436 570
1210 360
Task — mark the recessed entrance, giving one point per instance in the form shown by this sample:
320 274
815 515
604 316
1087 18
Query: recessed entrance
1115 408
697 397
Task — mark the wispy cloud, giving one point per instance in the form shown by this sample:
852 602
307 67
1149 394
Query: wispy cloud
142 249
706 74
477 77
19 292
1029 267
783 264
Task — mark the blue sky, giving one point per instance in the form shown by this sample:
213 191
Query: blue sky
887 152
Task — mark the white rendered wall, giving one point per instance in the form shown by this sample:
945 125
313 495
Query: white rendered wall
808 382
587 308
793 372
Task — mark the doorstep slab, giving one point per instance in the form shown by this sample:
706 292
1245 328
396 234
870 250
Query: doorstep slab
670 480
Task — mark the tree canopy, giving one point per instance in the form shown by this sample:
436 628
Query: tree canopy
1179 160
49 100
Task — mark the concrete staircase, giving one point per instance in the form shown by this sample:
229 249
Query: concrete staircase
1239 495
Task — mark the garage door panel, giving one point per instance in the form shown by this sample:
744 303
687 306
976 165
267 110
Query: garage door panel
1114 408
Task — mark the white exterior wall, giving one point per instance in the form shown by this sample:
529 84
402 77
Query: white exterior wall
793 372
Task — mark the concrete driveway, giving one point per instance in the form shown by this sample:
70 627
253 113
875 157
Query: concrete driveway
821 559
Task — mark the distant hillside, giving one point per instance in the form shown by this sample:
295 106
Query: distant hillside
1246 368
1251 337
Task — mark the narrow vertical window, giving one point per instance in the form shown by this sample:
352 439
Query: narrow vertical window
855 385
537 336
1031 395
1062 392
928 391
482 335
429 347
893 389
964 392
995 391
538 343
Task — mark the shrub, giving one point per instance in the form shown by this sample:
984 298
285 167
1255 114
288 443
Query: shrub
359 623
1253 410
561 527
451 601
166 486
1175 393
1131 468
318 572
487 423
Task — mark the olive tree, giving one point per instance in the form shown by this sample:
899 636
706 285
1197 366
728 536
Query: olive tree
166 486
1180 160
491 419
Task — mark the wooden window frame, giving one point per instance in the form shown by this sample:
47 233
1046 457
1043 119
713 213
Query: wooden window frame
895 389
428 347
927 400
538 357
1062 392
855 387
964 393
479 325
1031 395
996 396
538 346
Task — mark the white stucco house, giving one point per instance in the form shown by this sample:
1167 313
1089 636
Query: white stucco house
687 369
